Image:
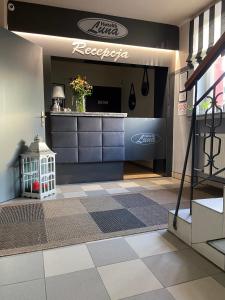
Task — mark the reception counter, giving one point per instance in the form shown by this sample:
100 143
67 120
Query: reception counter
89 146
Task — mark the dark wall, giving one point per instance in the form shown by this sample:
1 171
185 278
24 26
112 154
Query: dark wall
163 108
161 75
104 99
43 19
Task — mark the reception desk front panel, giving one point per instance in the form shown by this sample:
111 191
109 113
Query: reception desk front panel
93 146
81 139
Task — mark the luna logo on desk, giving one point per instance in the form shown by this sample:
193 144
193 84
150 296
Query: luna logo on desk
145 138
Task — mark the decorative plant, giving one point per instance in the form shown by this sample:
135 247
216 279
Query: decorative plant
80 88
206 103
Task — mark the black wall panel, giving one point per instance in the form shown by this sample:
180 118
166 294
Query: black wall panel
49 20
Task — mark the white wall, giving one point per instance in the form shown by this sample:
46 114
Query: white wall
21 104
108 75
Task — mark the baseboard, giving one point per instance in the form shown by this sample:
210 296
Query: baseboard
177 175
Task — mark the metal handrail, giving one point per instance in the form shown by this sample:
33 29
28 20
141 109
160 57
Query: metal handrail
202 68
191 141
209 90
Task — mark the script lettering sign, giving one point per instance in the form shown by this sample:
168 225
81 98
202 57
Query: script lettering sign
102 28
145 138
83 49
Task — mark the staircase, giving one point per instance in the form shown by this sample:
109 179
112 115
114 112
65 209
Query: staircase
204 230
203 225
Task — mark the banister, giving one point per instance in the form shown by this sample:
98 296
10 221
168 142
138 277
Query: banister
212 55
209 90
211 127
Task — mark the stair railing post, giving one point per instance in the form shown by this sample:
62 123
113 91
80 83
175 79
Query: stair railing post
183 172
212 132
193 152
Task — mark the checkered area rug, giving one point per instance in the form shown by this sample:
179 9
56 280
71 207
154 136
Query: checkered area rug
32 225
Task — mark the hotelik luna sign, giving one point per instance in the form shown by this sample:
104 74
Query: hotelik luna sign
102 28
145 138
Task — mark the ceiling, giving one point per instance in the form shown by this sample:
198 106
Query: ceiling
162 11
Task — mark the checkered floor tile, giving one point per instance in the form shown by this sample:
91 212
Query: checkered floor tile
133 267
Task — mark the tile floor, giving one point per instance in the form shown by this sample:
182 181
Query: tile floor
109 188
148 266
163 190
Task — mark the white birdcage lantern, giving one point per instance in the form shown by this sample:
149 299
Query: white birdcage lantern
38 171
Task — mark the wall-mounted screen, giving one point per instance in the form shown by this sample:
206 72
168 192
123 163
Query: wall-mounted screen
104 99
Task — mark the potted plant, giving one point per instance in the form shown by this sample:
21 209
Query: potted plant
80 89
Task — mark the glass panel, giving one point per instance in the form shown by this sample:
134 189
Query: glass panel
44 166
209 78
50 164
44 184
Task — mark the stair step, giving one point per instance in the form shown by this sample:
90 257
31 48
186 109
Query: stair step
219 245
184 221
183 214
210 253
207 220
215 204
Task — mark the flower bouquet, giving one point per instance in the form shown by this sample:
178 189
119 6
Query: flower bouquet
80 89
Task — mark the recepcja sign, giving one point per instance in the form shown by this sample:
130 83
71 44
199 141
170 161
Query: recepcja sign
82 48
102 28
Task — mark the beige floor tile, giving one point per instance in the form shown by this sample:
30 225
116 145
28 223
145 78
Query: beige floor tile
177 267
32 290
74 194
22 267
148 244
117 191
128 279
91 187
162 182
110 185
68 188
202 289
154 187
143 181
127 184
66 260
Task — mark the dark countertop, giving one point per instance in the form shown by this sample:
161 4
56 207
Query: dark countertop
89 114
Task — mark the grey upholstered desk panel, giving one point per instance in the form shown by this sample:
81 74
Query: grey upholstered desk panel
90 154
113 124
113 139
66 155
63 125
89 124
64 139
90 139
87 139
113 154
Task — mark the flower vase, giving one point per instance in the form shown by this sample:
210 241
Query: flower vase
79 103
